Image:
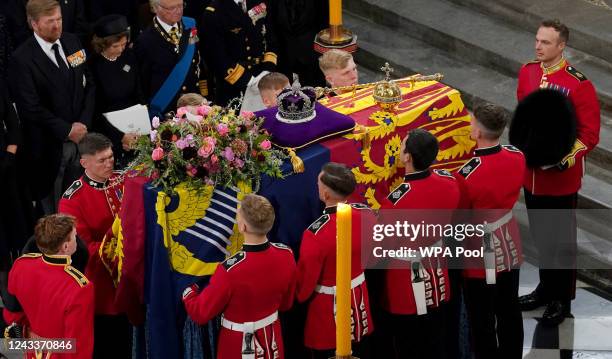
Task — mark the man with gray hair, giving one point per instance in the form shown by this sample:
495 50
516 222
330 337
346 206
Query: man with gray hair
169 57
54 93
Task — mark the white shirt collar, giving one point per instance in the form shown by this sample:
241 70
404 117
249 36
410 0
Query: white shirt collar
165 26
46 45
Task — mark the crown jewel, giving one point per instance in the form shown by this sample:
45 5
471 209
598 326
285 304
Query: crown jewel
296 104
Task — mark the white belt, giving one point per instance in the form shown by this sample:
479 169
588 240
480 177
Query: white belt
493 226
323 289
242 327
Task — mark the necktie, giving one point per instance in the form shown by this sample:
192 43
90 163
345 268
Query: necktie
174 35
60 61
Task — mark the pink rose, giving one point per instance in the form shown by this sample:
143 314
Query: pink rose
207 148
192 172
247 115
265 145
203 110
181 111
155 122
214 159
228 154
222 129
157 154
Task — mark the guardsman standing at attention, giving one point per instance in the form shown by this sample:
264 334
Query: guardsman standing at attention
169 57
415 314
556 187
95 200
48 297
317 268
238 43
248 289
492 299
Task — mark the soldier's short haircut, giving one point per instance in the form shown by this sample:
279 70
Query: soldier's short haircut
338 178
492 120
423 147
559 27
273 81
52 231
334 59
190 99
93 143
258 213
37 8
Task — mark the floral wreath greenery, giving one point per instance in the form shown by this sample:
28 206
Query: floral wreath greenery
207 145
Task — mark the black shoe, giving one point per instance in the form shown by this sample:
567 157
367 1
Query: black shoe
531 301
555 313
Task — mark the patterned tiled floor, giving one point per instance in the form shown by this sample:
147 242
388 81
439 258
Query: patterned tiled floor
586 336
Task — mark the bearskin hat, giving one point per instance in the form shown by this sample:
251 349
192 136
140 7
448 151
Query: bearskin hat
544 127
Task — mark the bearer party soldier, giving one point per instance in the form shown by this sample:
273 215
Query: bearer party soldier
415 317
317 268
248 289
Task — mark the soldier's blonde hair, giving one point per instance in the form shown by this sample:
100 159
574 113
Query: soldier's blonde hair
258 213
334 59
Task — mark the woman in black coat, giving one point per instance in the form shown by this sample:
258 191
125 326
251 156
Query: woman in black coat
117 83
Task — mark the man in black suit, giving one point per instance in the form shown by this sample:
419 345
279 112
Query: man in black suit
54 93
238 43
169 57
73 19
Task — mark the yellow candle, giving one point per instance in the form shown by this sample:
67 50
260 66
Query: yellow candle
335 12
343 280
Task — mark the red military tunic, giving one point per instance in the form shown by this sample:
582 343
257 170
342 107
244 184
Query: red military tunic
250 286
491 183
565 78
57 301
317 269
95 206
426 189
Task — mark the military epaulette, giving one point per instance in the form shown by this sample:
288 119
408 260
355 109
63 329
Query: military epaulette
444 173
577 74
399 192
511 148
281 246
77 275
74 187
359 206
534 61
210 8
319 223
468 168
233 260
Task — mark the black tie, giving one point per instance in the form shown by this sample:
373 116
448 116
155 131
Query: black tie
60 61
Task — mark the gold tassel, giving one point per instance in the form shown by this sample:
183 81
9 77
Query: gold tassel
296 162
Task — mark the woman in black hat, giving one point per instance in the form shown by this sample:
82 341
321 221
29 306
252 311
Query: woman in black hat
117 83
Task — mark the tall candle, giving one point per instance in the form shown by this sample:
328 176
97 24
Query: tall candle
343 280
335 12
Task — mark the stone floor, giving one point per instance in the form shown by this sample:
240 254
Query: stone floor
587 335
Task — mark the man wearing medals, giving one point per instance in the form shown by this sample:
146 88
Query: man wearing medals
556 187
415 299
169 57
94 200
238 43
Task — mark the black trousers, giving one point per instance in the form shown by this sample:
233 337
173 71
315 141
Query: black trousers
413 336
496 322
552 224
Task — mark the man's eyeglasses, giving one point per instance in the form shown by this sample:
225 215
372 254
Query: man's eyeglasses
173 8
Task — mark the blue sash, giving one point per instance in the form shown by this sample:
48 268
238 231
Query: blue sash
177 76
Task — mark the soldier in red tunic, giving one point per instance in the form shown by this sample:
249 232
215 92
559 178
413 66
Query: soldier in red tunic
94 200
557 187
317 268
49 298
248 289
419 335
494 312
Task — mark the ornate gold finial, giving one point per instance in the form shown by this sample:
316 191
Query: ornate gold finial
387 93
